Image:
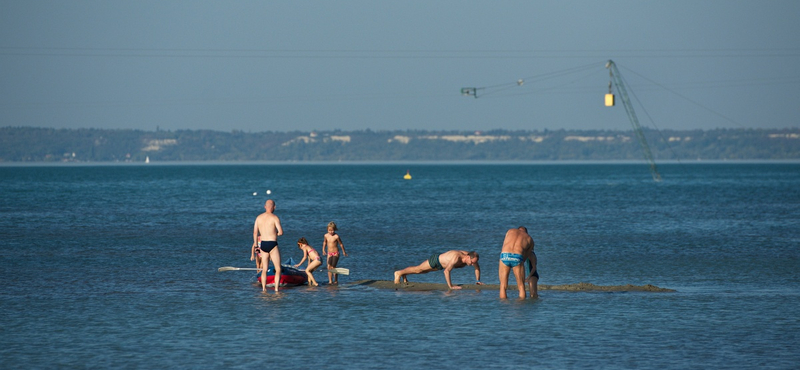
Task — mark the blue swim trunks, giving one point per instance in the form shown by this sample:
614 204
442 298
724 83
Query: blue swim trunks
511 259
267 246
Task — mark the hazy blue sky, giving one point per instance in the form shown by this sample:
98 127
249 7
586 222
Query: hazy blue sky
387 65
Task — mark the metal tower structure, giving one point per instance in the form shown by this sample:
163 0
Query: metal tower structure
616 79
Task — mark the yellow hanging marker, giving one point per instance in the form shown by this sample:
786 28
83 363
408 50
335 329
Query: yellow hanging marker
609 96
408 175
609 100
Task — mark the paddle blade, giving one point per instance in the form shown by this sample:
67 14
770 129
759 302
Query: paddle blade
230 268
340 271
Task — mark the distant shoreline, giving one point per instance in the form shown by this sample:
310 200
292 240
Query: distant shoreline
34 145
389 163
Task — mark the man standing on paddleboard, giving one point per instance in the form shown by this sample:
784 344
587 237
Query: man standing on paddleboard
268 225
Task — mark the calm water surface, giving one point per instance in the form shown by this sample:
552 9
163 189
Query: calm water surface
116 266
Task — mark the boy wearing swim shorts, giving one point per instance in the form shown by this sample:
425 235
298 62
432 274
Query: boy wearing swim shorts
330 248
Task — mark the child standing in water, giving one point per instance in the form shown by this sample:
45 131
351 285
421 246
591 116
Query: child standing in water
332 242
314 260
255 253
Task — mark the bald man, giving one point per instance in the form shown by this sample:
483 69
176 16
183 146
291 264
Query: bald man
268 226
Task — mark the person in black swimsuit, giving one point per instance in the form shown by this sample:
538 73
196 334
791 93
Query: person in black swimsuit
266 230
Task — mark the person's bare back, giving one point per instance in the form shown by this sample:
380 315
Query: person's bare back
517 247
517 241
452 259
446 261
268 225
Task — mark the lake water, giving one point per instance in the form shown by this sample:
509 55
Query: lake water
116 266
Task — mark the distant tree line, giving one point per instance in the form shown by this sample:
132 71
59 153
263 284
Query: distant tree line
26 144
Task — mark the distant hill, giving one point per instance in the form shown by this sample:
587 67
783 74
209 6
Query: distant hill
25 144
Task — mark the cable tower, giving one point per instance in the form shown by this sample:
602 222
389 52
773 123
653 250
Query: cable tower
616 79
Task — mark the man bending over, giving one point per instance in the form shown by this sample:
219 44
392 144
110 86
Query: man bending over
517 248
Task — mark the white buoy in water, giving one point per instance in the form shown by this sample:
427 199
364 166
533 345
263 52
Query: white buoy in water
254 194
269 192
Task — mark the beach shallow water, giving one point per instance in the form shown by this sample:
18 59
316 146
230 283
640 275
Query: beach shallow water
116 266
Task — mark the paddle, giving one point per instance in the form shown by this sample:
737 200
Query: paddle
229 268
335 270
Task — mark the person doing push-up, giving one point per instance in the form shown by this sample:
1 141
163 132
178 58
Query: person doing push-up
446 261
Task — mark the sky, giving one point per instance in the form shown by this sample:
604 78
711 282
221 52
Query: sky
351 65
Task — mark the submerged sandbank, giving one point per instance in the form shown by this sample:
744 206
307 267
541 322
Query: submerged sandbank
579 287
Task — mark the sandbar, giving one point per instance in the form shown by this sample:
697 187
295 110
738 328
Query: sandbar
578 287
